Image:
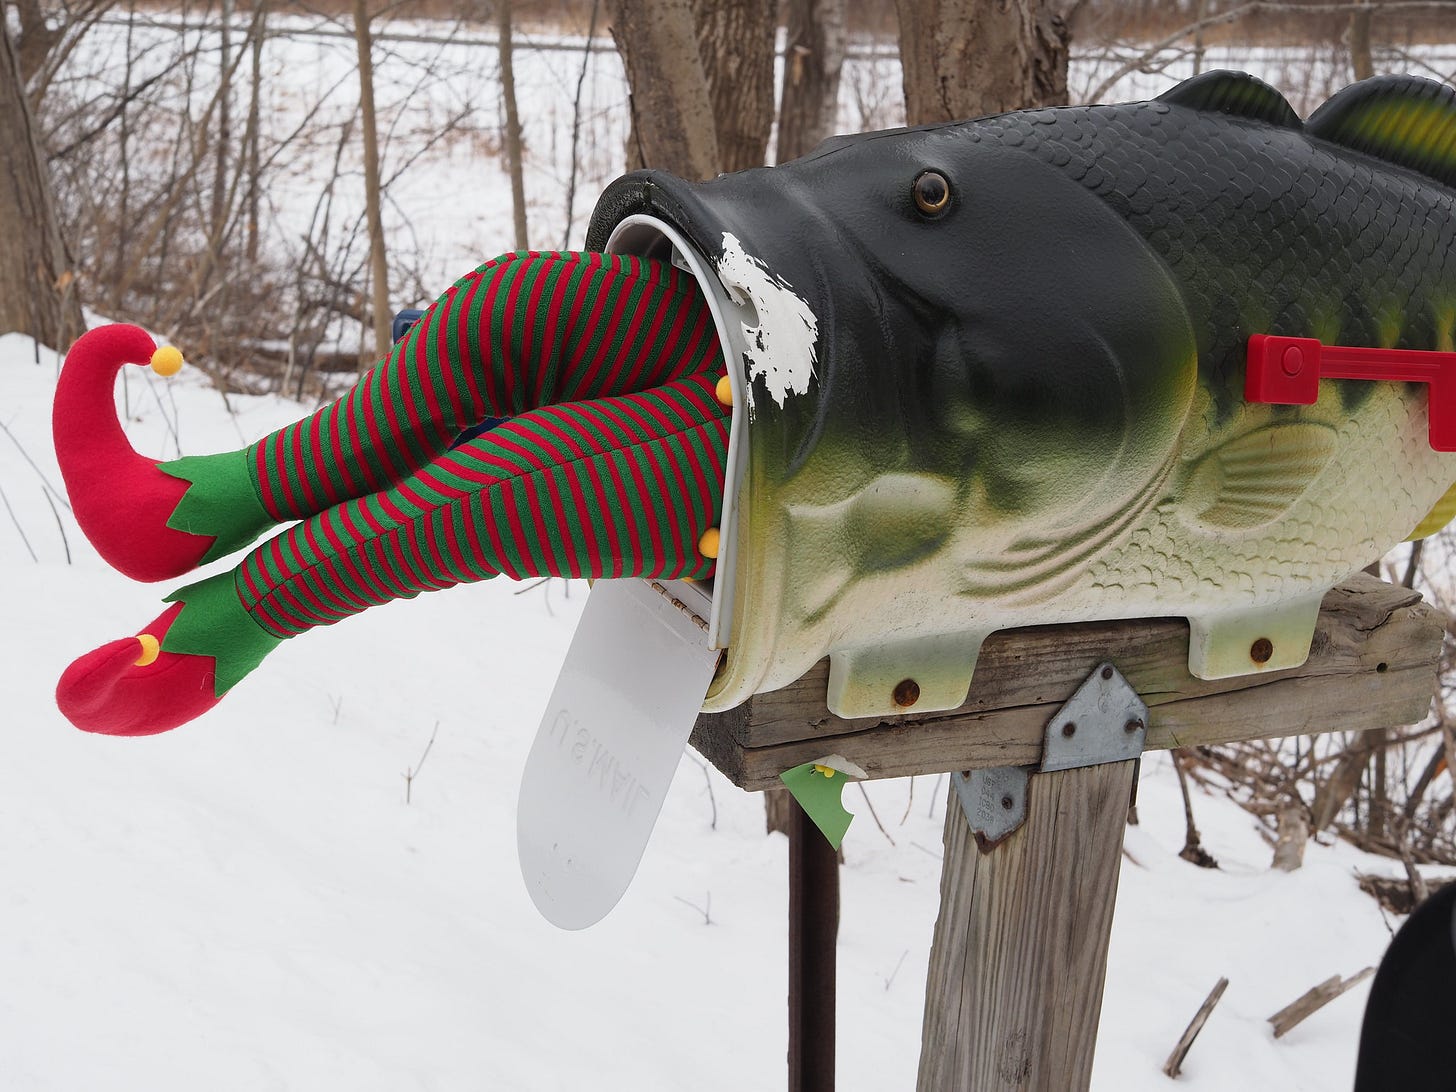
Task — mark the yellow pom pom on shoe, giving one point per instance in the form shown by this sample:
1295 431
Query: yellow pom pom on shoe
167 360
724 391
708 544
151 649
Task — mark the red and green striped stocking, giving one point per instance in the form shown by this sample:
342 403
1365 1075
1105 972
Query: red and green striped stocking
611 487
610 465
522 331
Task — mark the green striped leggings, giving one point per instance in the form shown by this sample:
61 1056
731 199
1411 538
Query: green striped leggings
611 463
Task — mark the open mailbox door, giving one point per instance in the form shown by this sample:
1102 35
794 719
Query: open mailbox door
634 680
611 739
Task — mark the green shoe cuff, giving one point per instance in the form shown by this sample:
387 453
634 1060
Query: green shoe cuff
214 623
221 501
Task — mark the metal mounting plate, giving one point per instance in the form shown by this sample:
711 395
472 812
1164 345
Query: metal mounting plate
994 801
1104 721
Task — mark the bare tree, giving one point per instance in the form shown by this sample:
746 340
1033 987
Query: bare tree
35 279
513 122
37 37
813 60
969 58
701 76
1359 35
735 42
672 113
47 35
808 109
254 132
224 124
378 260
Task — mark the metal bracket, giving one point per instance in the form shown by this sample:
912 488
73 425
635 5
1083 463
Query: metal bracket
993 800
1104 721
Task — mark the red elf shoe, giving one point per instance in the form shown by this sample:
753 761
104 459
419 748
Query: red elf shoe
132 688
121 499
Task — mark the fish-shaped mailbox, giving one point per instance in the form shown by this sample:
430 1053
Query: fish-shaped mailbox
997 373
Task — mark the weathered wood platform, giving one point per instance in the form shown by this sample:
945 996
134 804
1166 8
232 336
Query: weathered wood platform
1373 663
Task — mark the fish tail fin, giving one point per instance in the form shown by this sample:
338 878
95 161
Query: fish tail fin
1437 518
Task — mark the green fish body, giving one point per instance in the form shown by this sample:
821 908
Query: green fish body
993 376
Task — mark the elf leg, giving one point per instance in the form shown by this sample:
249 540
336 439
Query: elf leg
522 331
622 486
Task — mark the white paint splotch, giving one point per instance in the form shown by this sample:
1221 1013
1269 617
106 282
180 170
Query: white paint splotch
781 347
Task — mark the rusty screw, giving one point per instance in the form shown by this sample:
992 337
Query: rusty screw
1261 650
1069 729
1132 726
1006 802
907 693
1107 672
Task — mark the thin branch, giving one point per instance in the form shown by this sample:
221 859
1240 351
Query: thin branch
874 814
411 774
26 456
1233 15
708 779
15 520
60 526
1173 1066
576 125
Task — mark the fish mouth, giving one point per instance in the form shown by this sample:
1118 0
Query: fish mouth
665 197
821 318
647 236
729 234
776 252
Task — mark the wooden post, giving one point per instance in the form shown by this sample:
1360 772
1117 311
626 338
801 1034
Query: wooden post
1020 949
813 939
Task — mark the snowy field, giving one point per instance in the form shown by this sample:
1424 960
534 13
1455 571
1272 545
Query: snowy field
250 904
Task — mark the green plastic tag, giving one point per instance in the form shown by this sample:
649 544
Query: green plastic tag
817 789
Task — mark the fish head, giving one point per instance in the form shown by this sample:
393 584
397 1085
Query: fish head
940 301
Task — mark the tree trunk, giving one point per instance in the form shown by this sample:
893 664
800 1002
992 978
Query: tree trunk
1293 837
1192 851
701 76
1379 785
217 227
255 100
778 809
513 122
672 113
1335 793
37 37
735 42
968 58
378 261
1360 58
35 283
1200 12
809 109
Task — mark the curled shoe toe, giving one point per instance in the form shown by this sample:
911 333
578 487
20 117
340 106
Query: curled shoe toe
130 687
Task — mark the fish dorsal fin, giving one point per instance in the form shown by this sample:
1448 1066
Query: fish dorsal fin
1236 93
1406 120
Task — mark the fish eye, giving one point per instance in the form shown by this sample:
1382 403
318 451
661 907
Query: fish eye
932 193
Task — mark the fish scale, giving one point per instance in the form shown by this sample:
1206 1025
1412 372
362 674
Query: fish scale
1403 243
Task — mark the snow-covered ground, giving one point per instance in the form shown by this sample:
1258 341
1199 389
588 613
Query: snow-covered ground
249 903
